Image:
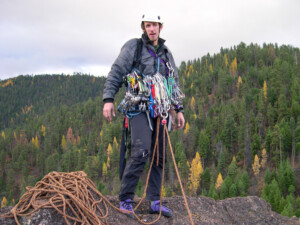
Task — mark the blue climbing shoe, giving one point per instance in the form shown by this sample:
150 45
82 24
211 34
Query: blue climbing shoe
127 205
154 208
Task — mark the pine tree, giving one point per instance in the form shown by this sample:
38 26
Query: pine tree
256 144
246 180
274 196
205 179
232 169
224 191
204 145
288 210
233 191
212 192
286 176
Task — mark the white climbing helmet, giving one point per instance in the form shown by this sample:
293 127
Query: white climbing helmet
151 17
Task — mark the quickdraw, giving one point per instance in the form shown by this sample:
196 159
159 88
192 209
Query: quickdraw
154 93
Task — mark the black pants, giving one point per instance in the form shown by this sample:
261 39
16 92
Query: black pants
142 144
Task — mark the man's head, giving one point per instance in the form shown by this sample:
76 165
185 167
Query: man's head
152 24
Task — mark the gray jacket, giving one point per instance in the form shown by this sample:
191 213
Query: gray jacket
148 64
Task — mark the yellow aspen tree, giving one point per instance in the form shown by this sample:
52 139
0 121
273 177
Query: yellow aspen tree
188 164
3 202
109 150
265 91
264 158
195 116
8 82
256 166
36 142
43 129
193 102
15 136
93 81
233 67
163 191
104 170
211 68
116 142
108 161
63 142
233 159
3 135
225 60
191 68
239 83
219 182
101 135
195 171
109 153
187 128
192 85
78 140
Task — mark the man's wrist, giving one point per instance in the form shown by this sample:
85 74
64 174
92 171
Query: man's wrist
108 100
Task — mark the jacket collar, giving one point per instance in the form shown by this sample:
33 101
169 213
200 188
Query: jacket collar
148 43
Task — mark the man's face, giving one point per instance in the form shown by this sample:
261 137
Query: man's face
152 29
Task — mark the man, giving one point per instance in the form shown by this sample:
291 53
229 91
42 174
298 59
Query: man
143 128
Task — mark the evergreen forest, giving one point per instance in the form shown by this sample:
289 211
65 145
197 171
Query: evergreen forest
242 132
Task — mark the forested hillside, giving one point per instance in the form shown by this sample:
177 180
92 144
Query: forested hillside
25 95
242 134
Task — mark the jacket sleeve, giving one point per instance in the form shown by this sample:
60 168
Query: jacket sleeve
120 67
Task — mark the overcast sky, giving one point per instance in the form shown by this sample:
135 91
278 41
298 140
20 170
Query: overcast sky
66 36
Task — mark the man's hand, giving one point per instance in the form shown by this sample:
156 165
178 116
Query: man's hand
180 120
109 109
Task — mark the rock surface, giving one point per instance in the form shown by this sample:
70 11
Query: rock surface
240 210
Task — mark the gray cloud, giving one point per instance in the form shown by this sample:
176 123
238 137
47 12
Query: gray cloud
86 36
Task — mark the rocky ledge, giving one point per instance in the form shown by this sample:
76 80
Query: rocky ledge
240 210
